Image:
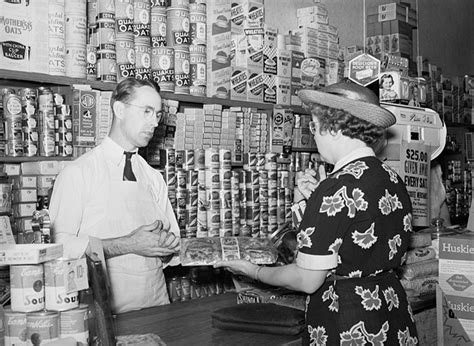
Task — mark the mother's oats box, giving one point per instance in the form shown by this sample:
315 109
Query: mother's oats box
22 27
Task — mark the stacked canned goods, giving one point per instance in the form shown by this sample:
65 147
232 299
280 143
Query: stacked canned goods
12 120
177 37
43 307
75 38
46 121
91 40
35 122
30 117
125 39
199 160
57 38
236 201
213 192
200 282
63 126
168 164
158 23
106 44
142 39
197 48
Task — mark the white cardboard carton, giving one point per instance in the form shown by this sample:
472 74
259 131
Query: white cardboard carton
29 253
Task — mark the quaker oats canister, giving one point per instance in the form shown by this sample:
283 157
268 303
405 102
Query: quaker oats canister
177 26
162 68
158 26
181 63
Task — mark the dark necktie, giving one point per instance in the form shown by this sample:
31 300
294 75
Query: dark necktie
127 170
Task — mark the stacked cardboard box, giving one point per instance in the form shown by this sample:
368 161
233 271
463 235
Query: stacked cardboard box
456 281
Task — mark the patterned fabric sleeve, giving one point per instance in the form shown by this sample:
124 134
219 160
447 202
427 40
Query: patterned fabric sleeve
318 239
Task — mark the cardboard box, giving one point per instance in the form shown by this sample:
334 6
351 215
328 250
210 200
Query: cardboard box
41 167
23 26
24 182
29 253
456 277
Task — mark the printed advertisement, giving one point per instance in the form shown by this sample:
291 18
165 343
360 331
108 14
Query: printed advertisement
415 172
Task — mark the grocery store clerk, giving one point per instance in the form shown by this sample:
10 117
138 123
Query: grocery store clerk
128 208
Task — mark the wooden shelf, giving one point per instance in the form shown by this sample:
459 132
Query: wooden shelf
20 159
19 78
22 78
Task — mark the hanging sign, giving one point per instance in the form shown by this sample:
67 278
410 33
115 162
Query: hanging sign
415 172
364 69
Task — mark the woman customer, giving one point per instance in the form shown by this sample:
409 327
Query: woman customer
354 232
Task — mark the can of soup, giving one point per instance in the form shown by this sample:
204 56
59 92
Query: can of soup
15 327
42 327
58 281
74 324
27 287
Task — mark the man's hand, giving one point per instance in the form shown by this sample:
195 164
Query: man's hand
153 240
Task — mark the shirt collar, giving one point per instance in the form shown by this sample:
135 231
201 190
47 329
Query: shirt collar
113 150
353 155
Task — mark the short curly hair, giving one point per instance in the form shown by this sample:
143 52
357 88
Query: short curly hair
333 119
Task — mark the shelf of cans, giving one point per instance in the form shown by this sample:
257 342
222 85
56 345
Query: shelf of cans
35 122
198 282
458 189
211 198
41 310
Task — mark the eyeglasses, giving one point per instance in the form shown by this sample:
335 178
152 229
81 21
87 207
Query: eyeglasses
148 111
312 127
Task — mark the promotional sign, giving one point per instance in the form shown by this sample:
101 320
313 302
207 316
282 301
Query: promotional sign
364 69
415 172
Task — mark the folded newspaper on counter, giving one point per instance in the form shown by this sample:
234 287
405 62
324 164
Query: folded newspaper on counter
207 251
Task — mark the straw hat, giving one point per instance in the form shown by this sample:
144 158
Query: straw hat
357 100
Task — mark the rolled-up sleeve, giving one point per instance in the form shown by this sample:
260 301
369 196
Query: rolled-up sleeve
66 210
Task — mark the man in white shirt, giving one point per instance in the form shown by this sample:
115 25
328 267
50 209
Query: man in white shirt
125 205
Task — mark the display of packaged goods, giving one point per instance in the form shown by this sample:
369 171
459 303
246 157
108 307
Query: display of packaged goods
207 251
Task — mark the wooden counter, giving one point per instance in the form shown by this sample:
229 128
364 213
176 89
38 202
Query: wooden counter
189 323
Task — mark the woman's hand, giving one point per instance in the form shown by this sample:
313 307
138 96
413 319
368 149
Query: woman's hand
239 267
308 182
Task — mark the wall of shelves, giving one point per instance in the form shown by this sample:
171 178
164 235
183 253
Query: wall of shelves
22 79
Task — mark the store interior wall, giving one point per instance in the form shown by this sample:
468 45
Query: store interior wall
446 28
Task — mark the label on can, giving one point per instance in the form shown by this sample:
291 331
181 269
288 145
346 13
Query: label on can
211 158
162 67
57 283
42 327
158 29
181 63
76 61
106 35
197 27
76 28
177 28
27 287
74 323
15 327
11 106
107 66
198 74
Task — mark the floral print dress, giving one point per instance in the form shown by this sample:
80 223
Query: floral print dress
357 225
